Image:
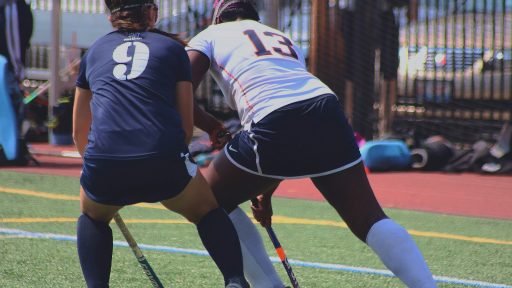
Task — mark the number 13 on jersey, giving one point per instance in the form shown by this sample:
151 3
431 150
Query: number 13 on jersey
285 47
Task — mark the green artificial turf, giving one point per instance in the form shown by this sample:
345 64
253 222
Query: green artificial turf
32 262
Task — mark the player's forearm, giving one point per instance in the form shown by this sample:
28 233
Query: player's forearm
204 120
82 118
184 105
200 65
80 135
80 143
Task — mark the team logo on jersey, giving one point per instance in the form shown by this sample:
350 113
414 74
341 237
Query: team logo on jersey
133 37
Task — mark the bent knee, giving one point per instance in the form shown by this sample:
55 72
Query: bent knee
195 217
199 208
97 217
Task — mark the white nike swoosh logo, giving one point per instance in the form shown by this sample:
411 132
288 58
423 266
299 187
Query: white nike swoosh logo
231 148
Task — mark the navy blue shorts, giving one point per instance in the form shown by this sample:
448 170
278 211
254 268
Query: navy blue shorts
126 182
309 138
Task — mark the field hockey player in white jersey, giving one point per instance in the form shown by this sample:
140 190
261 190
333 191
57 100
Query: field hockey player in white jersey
290 118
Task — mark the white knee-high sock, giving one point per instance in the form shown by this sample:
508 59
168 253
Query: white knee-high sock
397 250
258 269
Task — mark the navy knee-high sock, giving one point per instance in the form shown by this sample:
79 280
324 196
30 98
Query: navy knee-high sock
220 239
94 242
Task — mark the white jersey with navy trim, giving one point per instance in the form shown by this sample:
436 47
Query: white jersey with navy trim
258 68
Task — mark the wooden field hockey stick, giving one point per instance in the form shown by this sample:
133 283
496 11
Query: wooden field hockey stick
279 251
138 253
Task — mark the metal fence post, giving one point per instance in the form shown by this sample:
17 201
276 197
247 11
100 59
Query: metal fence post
54 92
272 13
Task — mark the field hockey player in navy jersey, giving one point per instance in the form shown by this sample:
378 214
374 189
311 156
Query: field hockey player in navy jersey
132 122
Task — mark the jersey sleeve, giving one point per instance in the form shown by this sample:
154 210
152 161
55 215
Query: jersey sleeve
81 81
201 43
184 72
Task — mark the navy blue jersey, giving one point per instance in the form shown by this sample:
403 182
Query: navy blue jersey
133 79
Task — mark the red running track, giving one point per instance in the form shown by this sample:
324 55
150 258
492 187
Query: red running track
463 194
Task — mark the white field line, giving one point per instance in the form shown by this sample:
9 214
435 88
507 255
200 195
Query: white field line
317 265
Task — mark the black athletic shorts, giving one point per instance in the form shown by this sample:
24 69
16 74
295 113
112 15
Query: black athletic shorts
309 138
126 182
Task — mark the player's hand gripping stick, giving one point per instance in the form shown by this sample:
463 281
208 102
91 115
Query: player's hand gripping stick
219 137
279 250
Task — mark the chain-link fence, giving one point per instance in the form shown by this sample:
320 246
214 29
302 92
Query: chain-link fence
75 6
420 67
185 18
455 74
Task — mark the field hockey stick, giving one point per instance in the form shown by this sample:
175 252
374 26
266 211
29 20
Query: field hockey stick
279 251
68 70
138 253
65 153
